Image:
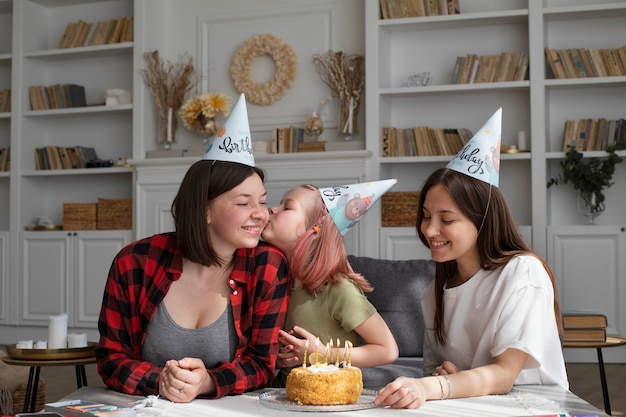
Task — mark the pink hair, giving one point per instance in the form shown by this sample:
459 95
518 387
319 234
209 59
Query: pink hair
319 256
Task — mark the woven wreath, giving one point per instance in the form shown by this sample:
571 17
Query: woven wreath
286 64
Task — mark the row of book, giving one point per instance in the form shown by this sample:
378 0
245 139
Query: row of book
586 62
422 141
397 9
292 139
82 33
508 66
61 157
5 101
594 134
5 159
57 96
584 326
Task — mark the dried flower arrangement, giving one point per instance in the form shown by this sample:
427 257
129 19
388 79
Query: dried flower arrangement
199 112
169 83
344 74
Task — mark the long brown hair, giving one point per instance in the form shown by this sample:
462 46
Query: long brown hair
499 239
204 181
319 256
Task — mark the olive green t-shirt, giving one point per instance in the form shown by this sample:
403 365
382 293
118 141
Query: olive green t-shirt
334 313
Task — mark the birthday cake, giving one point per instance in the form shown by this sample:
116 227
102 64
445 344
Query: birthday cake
324 384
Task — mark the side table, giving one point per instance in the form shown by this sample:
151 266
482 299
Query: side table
611 341
35 368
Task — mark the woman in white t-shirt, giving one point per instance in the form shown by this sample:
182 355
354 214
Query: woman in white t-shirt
491 315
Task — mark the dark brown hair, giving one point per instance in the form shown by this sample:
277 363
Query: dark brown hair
204 181
499 239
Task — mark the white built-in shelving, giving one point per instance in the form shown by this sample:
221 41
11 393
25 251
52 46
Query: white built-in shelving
30 31
539 106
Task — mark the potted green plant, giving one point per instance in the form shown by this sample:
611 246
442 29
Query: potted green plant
589 177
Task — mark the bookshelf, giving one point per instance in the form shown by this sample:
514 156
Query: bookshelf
30 33
6 26
538 105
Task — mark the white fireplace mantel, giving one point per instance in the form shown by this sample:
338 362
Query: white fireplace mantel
157 181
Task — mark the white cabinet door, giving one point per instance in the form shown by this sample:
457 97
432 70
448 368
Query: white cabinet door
93 253
590 270
154 209
65 272
46 260
401 243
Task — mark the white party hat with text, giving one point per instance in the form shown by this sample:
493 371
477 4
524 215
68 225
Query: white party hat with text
232 141
348 203
480 157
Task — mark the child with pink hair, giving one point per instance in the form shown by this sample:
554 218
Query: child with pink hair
327 297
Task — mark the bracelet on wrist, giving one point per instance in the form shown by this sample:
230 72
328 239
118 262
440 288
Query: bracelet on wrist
443 395
449 388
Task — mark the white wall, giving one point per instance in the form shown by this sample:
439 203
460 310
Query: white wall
174 28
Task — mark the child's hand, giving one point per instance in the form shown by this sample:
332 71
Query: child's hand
446 368
292 347
287 357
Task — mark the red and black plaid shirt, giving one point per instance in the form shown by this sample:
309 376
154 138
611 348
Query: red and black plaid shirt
141 275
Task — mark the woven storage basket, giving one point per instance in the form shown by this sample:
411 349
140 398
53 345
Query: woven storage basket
19 395
115 213
400 208
79 216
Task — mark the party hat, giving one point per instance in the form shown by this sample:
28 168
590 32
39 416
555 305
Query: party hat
480 157
232 141
348 203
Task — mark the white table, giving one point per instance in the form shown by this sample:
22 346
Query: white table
523 401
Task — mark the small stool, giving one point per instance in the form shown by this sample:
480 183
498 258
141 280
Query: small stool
611 341
35 369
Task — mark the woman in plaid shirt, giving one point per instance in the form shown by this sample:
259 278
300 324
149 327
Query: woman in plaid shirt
197 312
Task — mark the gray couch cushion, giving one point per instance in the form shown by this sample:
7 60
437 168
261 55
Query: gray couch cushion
398 288
379 376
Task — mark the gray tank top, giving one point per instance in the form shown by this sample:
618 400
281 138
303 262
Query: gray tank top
167 340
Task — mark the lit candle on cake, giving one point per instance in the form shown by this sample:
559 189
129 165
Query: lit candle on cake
350 353
326 358
317 353
306 348
337 357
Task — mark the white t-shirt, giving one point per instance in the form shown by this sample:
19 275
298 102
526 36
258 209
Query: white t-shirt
509 307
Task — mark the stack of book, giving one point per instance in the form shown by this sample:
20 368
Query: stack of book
474 69
594 134
291 139
60 157
584 326
81 33
422 141
5 101
5 159
398 9
583 63
56 96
